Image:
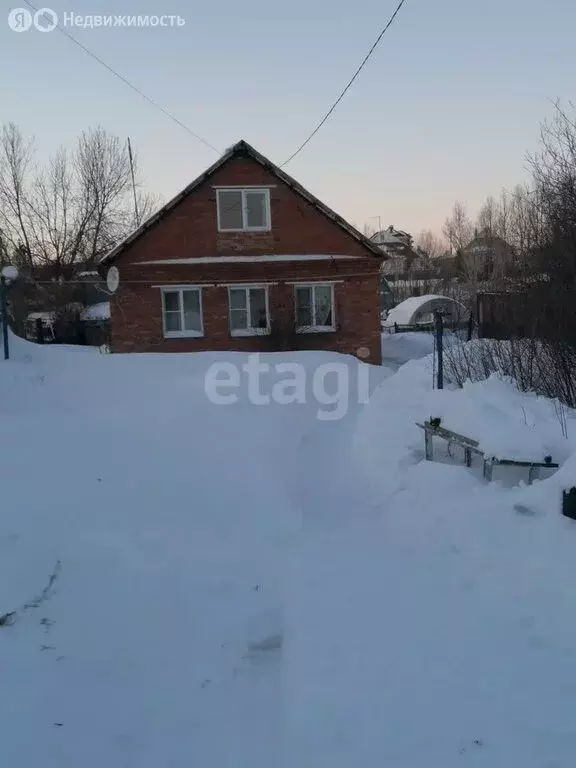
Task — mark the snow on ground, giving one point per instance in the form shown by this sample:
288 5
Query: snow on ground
249 585
399 348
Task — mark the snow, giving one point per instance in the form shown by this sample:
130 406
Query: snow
46 316
252 586
100 311
251 259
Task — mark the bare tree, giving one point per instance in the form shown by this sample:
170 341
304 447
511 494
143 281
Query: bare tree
458 228
431 244
532 314
73 209
489 218
15 161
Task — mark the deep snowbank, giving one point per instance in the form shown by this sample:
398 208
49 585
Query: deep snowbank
249 585
437 626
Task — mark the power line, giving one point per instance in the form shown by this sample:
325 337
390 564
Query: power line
130 85
354 76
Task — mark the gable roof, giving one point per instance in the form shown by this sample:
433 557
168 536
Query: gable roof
242 149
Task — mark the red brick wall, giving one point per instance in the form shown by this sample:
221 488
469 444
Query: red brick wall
137 321
190 230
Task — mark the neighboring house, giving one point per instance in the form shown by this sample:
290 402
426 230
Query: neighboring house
403 259
487 256
394 242
406 270
246 259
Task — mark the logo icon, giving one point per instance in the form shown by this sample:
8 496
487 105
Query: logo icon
45 20
19 19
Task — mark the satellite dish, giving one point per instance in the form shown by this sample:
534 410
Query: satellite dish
113 279
9 273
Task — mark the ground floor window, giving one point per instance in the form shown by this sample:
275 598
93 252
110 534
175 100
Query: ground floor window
249 311
182 312
314 307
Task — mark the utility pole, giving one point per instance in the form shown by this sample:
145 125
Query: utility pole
133 183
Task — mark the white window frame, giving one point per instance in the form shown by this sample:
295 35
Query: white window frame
244 191
315 328
182 333
239 332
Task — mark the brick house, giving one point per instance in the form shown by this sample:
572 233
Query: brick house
246 259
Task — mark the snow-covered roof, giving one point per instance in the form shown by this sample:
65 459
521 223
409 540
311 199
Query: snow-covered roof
391 236
99 311
405 313
47 317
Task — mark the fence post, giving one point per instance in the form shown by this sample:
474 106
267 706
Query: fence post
39 331
569 503
4 311
470 327
395 327
439 323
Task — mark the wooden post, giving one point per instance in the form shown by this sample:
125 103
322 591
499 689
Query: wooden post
428 445
532 474
488 467
468 457
39 331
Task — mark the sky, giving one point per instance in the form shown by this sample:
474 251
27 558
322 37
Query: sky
447 107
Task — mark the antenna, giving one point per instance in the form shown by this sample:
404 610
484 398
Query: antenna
131 158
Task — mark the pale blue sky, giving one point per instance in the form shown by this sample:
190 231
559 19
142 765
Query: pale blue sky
446 108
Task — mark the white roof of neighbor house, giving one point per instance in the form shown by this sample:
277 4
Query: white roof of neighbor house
403 314
99 311
47 316
391 236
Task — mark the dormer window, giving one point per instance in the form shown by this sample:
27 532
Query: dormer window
243 210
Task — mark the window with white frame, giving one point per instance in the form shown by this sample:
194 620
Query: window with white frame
314 307
182 312
249 314
243 210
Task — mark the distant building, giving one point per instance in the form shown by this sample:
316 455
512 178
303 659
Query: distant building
394 242
487 255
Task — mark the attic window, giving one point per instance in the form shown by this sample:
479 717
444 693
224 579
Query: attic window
243 210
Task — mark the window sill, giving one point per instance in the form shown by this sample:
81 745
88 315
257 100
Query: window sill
183 335
317 329
241 231
250 332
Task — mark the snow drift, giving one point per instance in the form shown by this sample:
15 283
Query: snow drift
251 586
